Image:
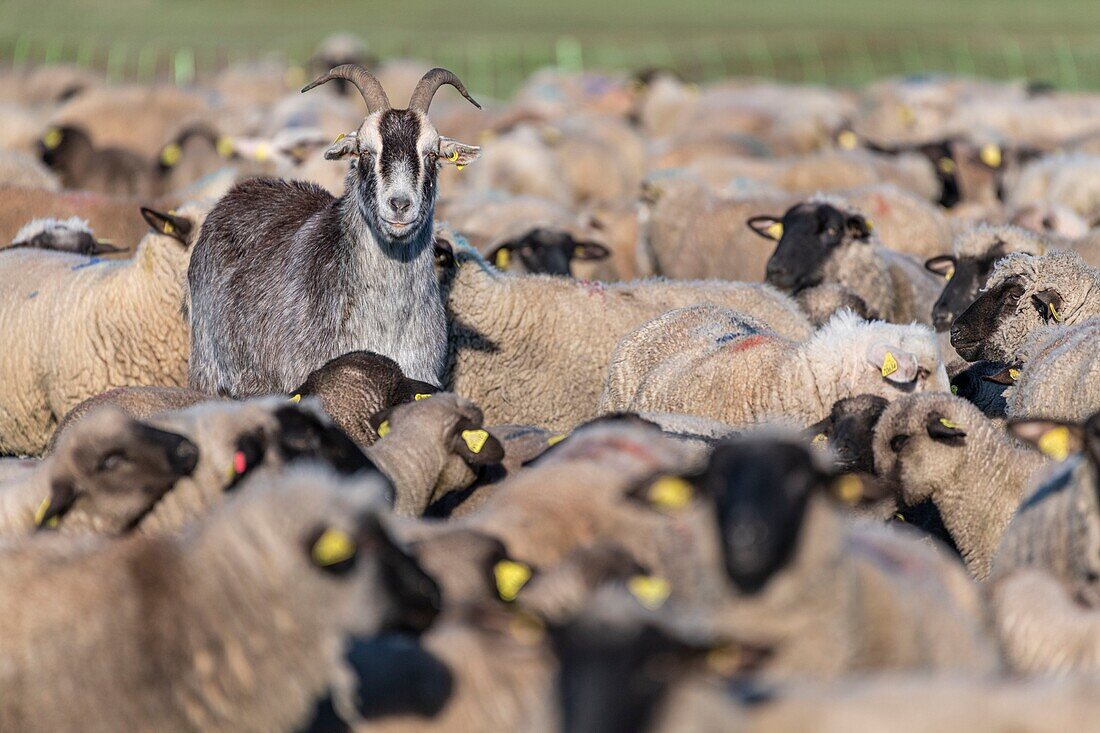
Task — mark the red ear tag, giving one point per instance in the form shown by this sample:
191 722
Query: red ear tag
240 463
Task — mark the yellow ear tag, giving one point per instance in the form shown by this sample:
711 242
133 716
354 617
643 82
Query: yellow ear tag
991 155
510 578
171 154
670 492
332 547
1054 313
725 661
820 440
906 114
262 153
949 424
421 396
775 231
52 139
453 157
384 429
296 398
502 259
650 590
870 224
555 439
225 146
889 364
475 439
849 489
899 516
1055 443
168 228
950 273
40 514
847 140
954 389
339 137
946 165
1013 374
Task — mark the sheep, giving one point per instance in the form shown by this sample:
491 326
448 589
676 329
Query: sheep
903 221
91 337
20 169
1068 178
544 251
163 618
336 274
984 384
72 235
848 431
520 368
684 361
825 595
822 241
484 217
941 448
116 219
822 302
70 152
1059 377
104 477
1023 294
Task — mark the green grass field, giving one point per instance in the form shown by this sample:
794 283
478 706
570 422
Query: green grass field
495 43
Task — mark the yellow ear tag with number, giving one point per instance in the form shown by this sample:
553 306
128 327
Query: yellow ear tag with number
946 165
510 577
649 590
889 364
847 140
475 439
849 489
384 429
421 396
502 259
555 439
820 440
670 492
1055 443
991 155
954 389
40 514
52 139
296 398
1013 374
333 546
1054 313
775 231
225 146
949 424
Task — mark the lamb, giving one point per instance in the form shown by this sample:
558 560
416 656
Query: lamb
104 477
521 368
286 277
330 570
70 152
1059 377
822 241
941 448
72 235
694 359
1023 294
88 338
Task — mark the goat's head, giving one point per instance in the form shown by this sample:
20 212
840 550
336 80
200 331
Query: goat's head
398 151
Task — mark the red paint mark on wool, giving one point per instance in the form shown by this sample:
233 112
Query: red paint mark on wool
881 207
748 343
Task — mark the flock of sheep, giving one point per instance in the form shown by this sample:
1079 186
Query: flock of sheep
744 407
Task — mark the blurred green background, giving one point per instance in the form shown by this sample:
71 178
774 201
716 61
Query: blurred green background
493 44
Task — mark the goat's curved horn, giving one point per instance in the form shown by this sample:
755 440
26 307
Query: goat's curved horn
429 84
371 89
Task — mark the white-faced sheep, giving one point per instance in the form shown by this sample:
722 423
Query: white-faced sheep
285 276
72 235
711 361
99 325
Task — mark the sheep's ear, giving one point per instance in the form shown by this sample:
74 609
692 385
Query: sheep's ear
380 422
768 227
477 446
1049 303
818 433
590 251
944 266
501 254
174 226
105 246
343 146
457 154
1053 438
666 493
859 225
444 252
420 390
943 429
1007 376
893 363
61 498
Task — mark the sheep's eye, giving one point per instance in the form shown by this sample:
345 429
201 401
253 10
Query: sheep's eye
110 462
831 231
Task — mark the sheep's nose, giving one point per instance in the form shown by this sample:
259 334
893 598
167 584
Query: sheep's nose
185 457
400 204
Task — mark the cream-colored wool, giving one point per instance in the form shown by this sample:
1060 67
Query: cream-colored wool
822 302
1060 379
20 169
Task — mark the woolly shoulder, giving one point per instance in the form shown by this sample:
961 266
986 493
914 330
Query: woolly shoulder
979 240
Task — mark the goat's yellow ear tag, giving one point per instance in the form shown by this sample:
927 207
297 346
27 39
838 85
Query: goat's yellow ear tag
502 259
991 155
384 429
40 514
225 146
475 439
52 139
946 165
459 166
889 364
1054 313
339 137
1013 374
171 154
775 231
847 140
954 389
296 398
670 492
649 590
453 157
1055 443
555 439
421 396
333 546
849 489
510 577
950 273
950 425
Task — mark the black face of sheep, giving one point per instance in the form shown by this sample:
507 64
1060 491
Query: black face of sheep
942 158
303 435
849 430
546 251
984 384
61 146
808 234
965 277
398 152
984 316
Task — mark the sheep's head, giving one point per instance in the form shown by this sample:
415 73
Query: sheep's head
542 250
808 235
398 153
848 431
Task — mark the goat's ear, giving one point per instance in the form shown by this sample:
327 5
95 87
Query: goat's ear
457 154
176 227
343 146
478 446
590 251
1055 439
943 265
1049 303
767 226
